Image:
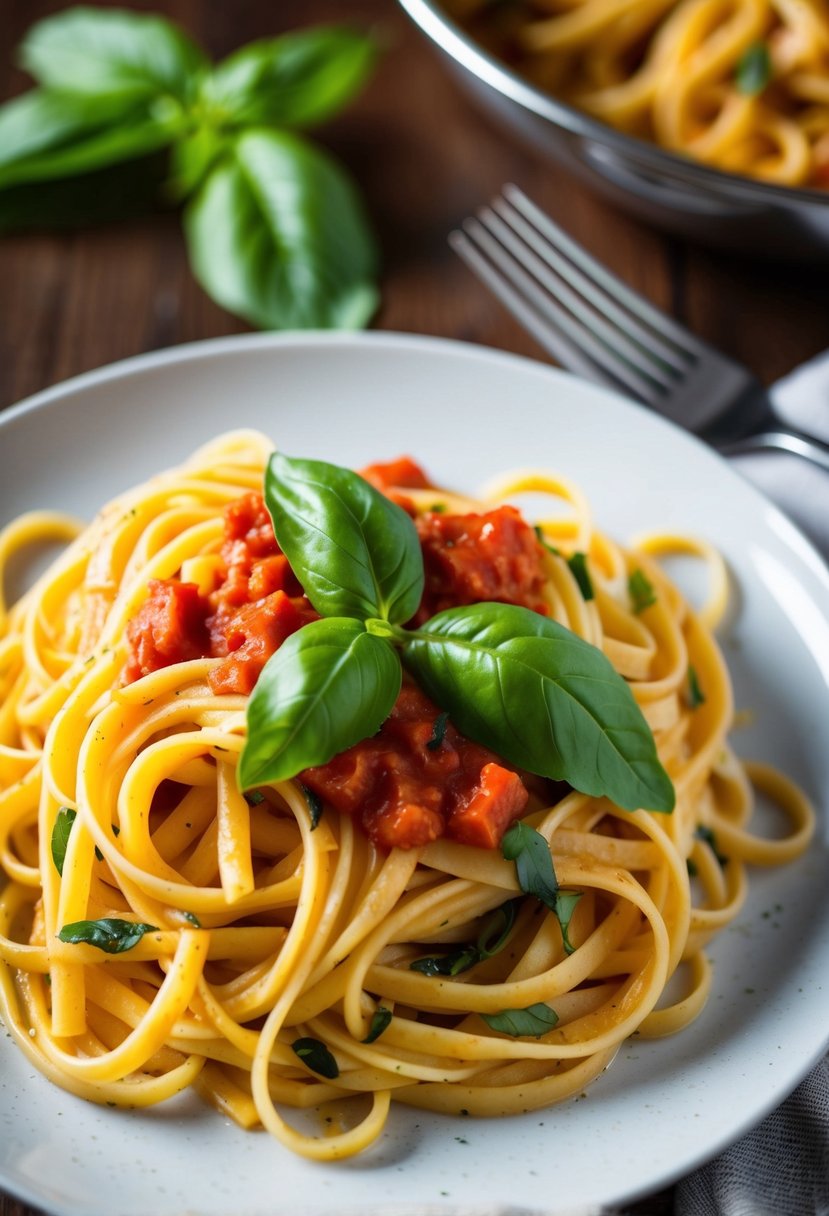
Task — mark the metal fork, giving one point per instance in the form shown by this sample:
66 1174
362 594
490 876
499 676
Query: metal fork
594 324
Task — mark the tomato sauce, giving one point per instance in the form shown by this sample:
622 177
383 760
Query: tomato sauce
418 778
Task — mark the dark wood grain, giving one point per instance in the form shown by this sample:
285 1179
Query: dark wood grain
424 158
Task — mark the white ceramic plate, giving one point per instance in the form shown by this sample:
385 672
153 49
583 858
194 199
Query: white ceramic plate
466 413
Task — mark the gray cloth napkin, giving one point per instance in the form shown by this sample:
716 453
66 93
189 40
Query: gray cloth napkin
781 1168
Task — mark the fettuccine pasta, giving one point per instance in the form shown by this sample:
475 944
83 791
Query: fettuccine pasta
742 85
263 953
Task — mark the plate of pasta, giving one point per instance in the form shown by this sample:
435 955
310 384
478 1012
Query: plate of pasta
412 787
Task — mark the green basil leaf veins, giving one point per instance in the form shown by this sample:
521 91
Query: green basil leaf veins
355 552
60 836
536 1020
109 934
276 234
112 52
296 80
328 686
316 1056
542 698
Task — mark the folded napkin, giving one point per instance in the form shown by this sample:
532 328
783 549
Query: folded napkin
781 1168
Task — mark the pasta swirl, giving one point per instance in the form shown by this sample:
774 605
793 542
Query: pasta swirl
249 931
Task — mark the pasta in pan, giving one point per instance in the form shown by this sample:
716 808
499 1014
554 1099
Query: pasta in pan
161 929
742 85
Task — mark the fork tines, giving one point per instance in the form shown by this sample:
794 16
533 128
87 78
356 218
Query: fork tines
589 320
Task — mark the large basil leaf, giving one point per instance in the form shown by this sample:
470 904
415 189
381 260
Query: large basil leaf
328 686
112 52
277 235
294 81
541 697
355 552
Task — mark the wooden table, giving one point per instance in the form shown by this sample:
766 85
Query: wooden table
424 158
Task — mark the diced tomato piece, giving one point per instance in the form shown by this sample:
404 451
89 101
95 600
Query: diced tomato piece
251 635
246 519
403 473
169 627
417 775
474 558
499 797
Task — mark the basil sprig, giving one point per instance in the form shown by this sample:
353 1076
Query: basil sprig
275 231
536 875
491 941
518 682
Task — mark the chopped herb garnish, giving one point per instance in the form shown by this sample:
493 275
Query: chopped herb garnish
447 964
254 797
438 508
536 1020
438 732
578 565
192 919
696 696
60 836
536 875
753 69
491 940
116 831
316 1056
109 934
640 590
709 836
314 805
542 540
379 1022
692 867
99 855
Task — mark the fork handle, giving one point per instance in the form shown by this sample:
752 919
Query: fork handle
781 439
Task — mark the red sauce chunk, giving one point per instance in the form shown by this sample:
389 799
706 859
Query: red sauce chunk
169 627
470 559
418 779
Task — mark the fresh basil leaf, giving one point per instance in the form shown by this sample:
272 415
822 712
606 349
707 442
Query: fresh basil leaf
192 919
533 862
354 551
754 69
314 806
539 533
496 930
60 836
296 80
328 686
640 590
112 52
542 698
43 120
316 1056
277 235
453 963
438 732
578 566
565 907
695 696
109 934
380 1020
536 1020
130 139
